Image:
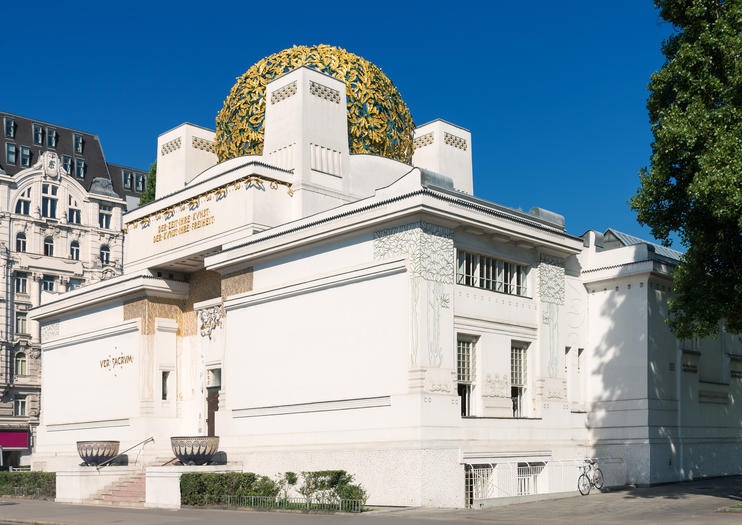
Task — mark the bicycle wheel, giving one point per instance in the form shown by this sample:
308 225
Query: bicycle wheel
583 485
598 479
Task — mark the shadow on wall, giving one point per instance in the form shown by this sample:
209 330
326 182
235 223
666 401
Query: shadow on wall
647 409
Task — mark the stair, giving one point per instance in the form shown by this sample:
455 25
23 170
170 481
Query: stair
127 492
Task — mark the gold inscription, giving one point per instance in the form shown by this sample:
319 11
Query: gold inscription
193 221
111 363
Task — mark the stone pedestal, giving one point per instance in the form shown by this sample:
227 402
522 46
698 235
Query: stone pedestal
163 483
79 484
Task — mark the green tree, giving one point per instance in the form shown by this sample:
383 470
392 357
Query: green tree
693 185
149 191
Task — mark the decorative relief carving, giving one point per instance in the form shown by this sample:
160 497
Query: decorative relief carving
327 93
428 246
454 141
49 330
283 92
551 280
210 318
496 385
423 140
171 146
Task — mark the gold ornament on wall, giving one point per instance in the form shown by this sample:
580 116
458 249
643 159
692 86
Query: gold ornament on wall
379 122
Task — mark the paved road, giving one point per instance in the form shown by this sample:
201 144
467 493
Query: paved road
683 503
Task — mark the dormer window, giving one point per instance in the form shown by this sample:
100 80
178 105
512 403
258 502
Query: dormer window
49 201
11 152
79 168
38 134
51 137
128 179
140 182
23 204
9 127
78 142
25 156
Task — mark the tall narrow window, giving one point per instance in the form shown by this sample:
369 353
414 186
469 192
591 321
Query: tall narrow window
23 204
105 254
51 137
47 283
20 242
128 176
79 168
49 200
104 216
21 282
465 373
140 182
19 406
10 153
73 211
165 376
20 363
9 127
25 156
518 378
20 323
67 164
75 251
78 142
49 246
38 134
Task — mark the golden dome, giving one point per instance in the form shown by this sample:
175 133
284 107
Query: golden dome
378 119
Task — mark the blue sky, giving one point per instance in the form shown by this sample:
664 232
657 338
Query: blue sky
554 93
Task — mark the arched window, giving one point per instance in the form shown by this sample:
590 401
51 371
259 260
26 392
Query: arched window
20 242
20 364
49 246
105 254
75 251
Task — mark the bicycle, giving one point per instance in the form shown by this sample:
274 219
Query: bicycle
591 476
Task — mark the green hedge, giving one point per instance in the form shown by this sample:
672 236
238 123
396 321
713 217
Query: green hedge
197 488
30 481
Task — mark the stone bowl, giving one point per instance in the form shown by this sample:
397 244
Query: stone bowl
96 452
194 450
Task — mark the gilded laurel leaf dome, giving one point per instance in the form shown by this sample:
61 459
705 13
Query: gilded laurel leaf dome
378 119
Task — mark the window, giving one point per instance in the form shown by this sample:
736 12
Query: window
105 254
528 474
73 211
49 200
74 284
10 153
465 373
23 204
75 251
78 142
492 274
165 376
518 371
140 182
20 323
20 364
20 242
38 134
49 246
79 168
25 156
9 127
19 406
128 179
104 216
67 163
51 137
47 283
21 282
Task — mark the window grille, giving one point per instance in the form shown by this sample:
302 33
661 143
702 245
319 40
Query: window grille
492 274
528 476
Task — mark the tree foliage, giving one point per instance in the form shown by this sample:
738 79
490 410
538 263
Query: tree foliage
693 185
149 192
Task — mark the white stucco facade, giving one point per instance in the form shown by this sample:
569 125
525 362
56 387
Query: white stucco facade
358 313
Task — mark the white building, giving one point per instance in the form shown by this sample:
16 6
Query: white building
320 309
